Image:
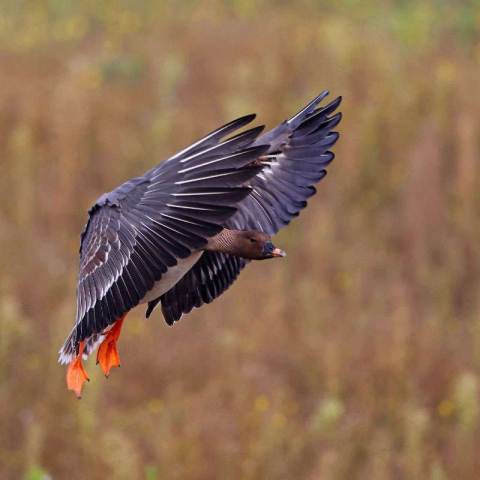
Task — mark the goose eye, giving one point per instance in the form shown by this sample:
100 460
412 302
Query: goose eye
252 239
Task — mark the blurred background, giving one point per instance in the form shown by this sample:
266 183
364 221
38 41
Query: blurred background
357 356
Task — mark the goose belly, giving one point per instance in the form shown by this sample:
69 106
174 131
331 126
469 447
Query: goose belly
171 277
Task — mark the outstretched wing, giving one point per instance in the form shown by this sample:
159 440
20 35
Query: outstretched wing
298 153
206 280
142 228
296 161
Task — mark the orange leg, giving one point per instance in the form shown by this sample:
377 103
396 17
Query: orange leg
76 374
107 355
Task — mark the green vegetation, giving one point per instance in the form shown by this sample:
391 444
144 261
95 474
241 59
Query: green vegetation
357 356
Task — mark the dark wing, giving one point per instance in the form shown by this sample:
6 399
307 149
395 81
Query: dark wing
206 280
142 228
298 152
296 160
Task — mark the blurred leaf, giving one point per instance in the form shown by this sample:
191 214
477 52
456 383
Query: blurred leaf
37 473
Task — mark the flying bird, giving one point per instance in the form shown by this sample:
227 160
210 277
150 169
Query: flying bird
178 236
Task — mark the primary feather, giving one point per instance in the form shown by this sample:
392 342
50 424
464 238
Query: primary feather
148 226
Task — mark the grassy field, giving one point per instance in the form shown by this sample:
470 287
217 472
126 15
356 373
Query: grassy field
355 357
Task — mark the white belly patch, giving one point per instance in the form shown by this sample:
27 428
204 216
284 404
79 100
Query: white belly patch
173 275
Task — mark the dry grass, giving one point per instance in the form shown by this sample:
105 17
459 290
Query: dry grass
358 356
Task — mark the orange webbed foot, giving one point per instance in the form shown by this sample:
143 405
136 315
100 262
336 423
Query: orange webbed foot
76 374
107 355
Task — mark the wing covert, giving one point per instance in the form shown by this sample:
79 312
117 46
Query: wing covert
138 231
297 155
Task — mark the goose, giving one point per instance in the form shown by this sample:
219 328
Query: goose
179 236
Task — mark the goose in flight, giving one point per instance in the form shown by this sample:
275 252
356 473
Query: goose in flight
178 236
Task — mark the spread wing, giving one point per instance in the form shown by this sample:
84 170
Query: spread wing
298 153
142 228
296 161
206 280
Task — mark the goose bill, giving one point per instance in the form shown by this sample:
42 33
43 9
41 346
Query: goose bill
271 251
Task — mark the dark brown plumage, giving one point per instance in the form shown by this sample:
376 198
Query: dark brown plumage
180 234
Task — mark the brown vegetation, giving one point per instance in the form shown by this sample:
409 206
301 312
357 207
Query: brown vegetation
357 356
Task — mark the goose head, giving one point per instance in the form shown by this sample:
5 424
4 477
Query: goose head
255 245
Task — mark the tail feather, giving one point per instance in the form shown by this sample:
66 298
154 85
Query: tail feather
68 350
